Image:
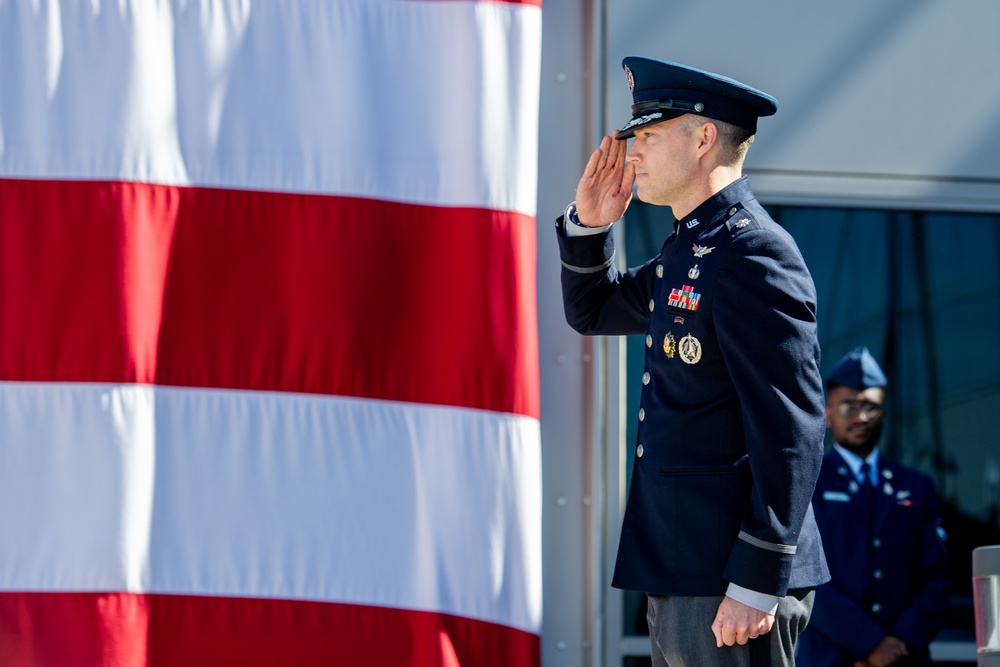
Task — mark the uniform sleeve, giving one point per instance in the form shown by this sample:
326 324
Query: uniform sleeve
597 298
765 315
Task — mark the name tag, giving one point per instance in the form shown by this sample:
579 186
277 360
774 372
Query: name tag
836 496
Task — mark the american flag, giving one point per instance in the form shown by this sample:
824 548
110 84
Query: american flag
269 385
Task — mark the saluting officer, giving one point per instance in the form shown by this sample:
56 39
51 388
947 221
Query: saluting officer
718 529
880 523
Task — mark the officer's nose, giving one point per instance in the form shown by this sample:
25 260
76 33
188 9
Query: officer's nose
632 155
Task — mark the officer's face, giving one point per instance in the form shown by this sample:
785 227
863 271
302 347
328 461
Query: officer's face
664 159
855 418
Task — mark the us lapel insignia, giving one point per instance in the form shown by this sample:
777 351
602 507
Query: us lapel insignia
690 349
700 250
669 346
692 223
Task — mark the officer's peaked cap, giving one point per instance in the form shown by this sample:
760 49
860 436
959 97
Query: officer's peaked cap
662 90
858 370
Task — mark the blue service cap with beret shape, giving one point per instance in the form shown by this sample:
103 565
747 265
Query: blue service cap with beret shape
662 90
858 370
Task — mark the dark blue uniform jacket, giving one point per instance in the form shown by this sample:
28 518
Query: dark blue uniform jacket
887 562
731 425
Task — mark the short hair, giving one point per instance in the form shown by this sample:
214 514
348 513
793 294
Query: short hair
734 140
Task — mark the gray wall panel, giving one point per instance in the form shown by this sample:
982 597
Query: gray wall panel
897 100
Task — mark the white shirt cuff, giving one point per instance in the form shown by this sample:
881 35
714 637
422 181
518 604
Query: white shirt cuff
759 601
574 228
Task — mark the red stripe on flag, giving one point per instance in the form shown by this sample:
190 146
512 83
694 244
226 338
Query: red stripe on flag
201 287
128 630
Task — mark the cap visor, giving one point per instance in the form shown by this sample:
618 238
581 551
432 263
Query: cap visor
645 120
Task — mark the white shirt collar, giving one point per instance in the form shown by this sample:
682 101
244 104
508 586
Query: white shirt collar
855 461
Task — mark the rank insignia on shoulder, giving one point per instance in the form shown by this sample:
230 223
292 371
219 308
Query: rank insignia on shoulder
685 298
690 349
669 345
694 272
742 223
700 250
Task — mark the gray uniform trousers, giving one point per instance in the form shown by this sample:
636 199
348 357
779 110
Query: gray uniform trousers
680 633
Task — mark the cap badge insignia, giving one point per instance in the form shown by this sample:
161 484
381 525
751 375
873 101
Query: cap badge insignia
742 223
692 223
669 346
690 349
684 298
701 251
630 78
694 272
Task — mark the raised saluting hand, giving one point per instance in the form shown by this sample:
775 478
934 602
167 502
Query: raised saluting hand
605 189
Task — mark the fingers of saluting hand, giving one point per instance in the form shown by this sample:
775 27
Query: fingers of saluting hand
607 161
605 189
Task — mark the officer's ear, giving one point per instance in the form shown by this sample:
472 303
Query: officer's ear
706 135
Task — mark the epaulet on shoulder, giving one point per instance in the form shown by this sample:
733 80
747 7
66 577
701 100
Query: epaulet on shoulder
740 221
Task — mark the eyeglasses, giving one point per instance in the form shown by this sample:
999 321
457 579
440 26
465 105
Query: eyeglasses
852 409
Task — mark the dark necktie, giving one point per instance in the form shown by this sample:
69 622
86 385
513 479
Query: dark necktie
867 488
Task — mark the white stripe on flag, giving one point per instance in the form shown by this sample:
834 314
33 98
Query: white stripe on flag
142 488
421 102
